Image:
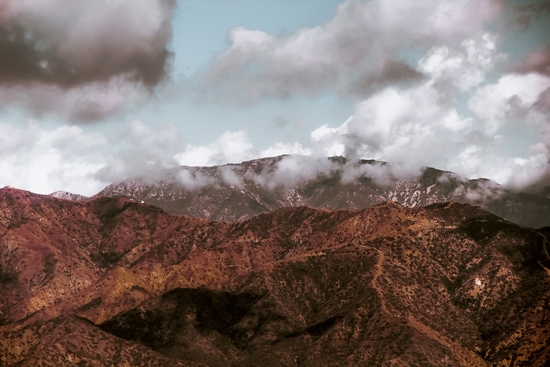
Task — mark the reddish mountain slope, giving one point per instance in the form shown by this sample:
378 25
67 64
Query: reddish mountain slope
446 285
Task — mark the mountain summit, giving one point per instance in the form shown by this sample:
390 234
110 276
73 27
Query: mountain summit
240 191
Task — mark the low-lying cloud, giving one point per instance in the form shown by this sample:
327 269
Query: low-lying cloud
430 85
43 161
148 154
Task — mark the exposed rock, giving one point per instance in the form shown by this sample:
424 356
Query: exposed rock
68 196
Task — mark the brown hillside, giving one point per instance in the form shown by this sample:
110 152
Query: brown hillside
113 280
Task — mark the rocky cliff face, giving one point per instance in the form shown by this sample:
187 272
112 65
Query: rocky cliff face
238 192
110 281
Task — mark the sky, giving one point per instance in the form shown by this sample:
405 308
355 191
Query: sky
97 92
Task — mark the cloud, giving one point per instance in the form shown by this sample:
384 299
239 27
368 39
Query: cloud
420 125
73 42
360 50
384 174
464 66
86 103
510 95
395 125
478 192
148 154
230 177
280 148
83 49
424 77
192 179
44 161
501 109
421 73
533 174
529 11
291 170
231 147
329 141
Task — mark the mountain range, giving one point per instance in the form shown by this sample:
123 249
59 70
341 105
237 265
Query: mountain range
240 191
114 282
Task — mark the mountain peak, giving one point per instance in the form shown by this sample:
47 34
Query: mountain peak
240 191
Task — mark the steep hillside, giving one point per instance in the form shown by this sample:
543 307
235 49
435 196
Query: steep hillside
114 280
240 191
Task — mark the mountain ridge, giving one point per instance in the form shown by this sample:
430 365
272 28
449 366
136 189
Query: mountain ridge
445 285
239 191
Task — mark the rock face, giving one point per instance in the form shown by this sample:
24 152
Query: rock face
68 196
109 281
241 191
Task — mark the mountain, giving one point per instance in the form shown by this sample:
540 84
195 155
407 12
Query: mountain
240 191
110 281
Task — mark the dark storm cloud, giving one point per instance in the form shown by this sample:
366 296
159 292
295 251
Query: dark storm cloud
390 73
528 11
82 60
19 59
70 43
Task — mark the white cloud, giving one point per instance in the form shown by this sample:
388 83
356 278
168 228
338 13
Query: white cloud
382 174
84 103
454 122
230 177
280 148
512 93
514 172
464 66
44 161
231 147
328 141
147 153
193 180
420 125
402 125
358 50
291 170
113 51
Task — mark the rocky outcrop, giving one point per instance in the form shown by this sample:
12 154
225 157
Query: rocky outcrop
68 196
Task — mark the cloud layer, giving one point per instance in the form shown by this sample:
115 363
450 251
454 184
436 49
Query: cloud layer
432 87
429 80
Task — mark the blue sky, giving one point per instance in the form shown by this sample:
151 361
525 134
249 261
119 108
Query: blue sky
99 92
200 29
